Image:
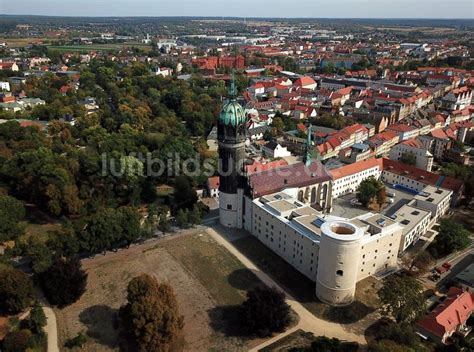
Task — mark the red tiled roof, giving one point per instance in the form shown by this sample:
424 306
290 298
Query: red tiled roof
260 167
439 134
401 128
304 81
451 313
423 176
213 182
296 175
355 168
412 142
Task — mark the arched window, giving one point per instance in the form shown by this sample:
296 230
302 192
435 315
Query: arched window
300 196
313 195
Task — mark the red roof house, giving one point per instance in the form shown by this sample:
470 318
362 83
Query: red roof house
448 317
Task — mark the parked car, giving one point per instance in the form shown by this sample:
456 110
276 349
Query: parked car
447 266
391 194
390 200
441 269
354 201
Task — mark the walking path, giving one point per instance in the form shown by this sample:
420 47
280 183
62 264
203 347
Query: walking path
51 329
307 322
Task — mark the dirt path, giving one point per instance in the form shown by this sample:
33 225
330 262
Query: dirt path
51 329
308 322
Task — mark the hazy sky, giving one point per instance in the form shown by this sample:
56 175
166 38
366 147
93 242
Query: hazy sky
245 8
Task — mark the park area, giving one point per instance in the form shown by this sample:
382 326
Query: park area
206 278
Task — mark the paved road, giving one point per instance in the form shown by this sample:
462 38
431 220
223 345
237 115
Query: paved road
307 322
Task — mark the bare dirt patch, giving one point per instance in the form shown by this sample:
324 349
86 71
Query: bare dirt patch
204 275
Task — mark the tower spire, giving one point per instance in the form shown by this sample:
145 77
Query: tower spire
308 156
232 90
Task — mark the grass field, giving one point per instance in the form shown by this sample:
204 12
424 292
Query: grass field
206 279
303 289
98 47
21 42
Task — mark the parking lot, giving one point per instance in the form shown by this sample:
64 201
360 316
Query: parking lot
342 205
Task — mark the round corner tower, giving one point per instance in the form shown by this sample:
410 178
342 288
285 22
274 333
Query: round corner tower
339 256
231 134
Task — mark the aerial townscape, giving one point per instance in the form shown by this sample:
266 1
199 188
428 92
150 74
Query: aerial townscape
236 183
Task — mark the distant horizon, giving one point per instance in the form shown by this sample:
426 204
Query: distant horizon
243 17
287 9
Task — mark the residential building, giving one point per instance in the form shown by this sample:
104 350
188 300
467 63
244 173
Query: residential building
423 158
448 318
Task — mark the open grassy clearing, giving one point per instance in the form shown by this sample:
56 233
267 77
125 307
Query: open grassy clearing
39 231
21 42
303 289
205 277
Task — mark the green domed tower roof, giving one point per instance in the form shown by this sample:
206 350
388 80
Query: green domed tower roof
232 113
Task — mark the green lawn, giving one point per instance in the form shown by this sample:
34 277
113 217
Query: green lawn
221 274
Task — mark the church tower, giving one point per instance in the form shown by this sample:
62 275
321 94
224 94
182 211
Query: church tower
231 134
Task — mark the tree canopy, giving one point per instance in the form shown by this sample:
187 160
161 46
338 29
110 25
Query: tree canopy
12 212
452 237
16 290
402 298
371 190
64 281
151 314
265 311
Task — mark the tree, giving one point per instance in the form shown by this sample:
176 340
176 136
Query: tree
184 194
402 298
452 237
17 341
78 341
182 218
41 256
64 282
326 344
130 224
265 311
16 290
12 212
36 320
194 216
386 346
164 224
370 189
422 261
151 314
408 158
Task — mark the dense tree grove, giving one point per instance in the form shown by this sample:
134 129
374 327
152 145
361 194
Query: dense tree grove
151 314
61 169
